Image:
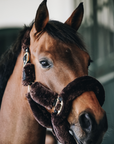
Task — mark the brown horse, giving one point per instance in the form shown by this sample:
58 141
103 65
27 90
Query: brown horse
59 57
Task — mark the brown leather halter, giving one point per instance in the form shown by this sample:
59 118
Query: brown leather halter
41 98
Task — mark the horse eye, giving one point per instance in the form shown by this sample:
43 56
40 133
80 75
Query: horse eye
45 64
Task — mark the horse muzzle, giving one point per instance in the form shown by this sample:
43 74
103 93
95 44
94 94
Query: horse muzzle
87 131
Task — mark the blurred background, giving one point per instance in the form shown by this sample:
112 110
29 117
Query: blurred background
97 30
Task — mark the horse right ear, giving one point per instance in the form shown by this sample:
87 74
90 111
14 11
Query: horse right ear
76 17
42 16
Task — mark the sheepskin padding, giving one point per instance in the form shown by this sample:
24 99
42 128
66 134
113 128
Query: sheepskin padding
40 113
28 74
41 97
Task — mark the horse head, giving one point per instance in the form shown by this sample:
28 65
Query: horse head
59 57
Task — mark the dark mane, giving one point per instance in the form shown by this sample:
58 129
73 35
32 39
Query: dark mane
64 33
8 60
55 29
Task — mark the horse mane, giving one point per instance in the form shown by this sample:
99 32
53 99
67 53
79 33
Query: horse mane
8 60
55 29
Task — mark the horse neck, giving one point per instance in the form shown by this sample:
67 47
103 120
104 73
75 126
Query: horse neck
17 123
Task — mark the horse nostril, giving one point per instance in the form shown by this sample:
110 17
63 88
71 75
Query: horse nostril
86 122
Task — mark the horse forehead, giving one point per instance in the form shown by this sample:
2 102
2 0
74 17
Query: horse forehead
58 49
48 43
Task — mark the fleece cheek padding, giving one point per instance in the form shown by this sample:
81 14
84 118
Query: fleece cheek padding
61 130
28 74
42 95
40 113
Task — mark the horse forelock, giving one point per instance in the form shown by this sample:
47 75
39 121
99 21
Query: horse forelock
64 33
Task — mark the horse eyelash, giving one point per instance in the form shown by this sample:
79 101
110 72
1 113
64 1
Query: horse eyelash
89 62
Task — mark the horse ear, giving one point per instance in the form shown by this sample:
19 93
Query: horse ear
76 17
42 16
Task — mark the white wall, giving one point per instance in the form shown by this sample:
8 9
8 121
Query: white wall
20 12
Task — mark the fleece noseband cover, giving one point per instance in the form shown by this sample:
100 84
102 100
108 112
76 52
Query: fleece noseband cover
41 98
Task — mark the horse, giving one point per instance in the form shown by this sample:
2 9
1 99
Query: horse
59 56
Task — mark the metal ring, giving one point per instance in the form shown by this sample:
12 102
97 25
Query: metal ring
60 100
25 58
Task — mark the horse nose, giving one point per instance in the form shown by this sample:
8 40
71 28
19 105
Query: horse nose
86 121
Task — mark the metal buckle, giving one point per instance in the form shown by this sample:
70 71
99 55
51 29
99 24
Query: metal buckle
59 101
26 57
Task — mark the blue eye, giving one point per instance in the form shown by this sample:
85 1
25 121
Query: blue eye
46 63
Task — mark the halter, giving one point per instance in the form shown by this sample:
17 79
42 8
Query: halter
41 98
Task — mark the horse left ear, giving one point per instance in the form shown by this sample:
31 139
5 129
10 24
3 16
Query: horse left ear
76 17
42 16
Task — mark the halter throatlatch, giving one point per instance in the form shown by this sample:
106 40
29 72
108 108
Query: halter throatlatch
41 98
